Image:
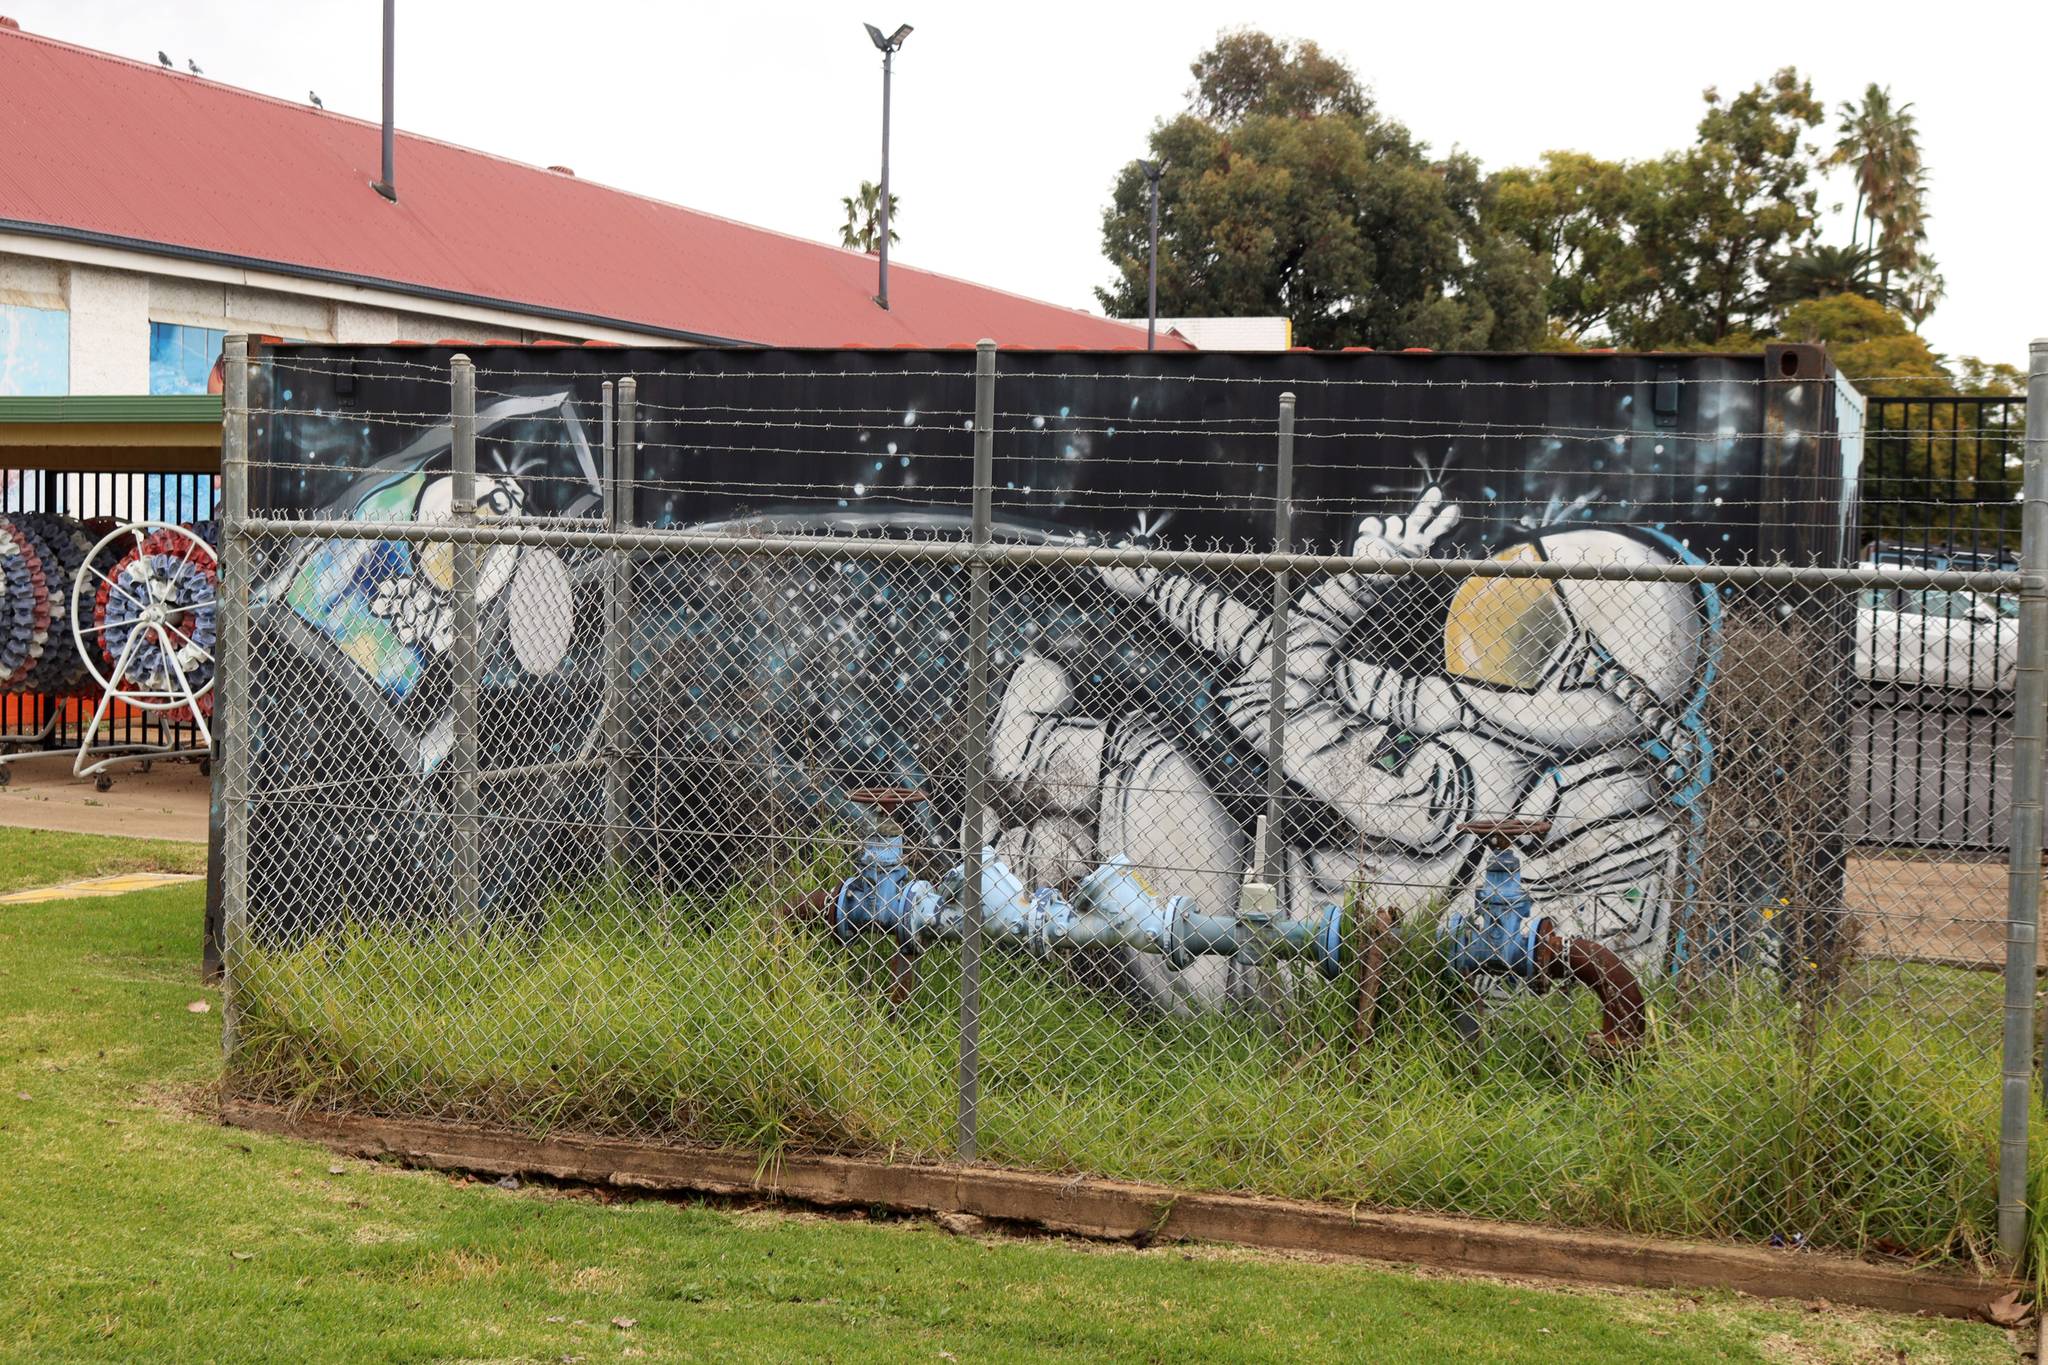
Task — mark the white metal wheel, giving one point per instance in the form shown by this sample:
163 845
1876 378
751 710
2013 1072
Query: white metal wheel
159 622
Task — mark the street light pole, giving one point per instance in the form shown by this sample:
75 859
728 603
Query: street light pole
889 46
1153 170
387 185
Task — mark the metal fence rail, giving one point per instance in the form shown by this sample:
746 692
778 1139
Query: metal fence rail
1512 875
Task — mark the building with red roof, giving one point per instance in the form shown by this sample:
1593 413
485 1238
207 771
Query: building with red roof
144 212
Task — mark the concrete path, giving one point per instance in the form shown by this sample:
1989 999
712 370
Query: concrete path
168 802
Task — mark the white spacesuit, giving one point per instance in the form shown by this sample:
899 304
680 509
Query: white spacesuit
1569 701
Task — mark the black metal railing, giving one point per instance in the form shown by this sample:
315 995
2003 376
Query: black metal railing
1939 488
99 499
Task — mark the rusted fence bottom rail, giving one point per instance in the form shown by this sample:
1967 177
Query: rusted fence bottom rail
1123 1210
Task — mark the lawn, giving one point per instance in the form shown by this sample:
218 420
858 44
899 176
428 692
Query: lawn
37 857
139 1229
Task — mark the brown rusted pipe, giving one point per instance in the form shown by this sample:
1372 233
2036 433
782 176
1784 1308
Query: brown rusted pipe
1368 968
1624 1015
902 979
810 908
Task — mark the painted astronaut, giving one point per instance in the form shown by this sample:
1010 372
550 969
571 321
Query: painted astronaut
419 603
1575 702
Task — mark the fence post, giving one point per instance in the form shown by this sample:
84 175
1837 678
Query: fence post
231 672
975 743
2023 904
1268 906
626 441
464 653
618 514
1283 601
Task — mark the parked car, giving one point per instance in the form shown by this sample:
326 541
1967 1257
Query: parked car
1925 637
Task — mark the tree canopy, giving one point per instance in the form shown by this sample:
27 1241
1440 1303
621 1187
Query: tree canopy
1687 249
1288 190
862 230
1880 142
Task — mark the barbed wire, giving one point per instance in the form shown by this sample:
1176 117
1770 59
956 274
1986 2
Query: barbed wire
321 364
957 495
1449 431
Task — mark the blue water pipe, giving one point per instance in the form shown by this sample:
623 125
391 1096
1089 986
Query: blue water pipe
1112 907
881 893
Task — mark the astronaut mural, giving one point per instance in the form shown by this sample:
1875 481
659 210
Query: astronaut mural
1132 708
1578 703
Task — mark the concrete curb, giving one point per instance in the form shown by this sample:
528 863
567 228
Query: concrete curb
1122 1210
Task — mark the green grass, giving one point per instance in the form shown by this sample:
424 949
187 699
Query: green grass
136 1230
727 1026
39 857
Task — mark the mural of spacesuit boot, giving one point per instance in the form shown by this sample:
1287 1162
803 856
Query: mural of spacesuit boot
1053 850
1050 766
1160 811
1054 761
1081 790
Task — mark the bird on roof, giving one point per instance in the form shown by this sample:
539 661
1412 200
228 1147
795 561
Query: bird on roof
316 100
193 67
164 59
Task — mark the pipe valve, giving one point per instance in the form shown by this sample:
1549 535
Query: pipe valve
1506 935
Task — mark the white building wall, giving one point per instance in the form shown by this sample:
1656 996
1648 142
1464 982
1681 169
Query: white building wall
1232 334
354 323
31 283
112 297
109 330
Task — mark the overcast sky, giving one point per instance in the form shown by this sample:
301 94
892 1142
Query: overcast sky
1012 119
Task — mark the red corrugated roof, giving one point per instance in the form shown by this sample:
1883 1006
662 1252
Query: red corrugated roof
104 148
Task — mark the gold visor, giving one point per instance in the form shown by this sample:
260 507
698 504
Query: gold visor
1505 632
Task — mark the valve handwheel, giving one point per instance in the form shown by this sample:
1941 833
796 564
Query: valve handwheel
887 800
145 624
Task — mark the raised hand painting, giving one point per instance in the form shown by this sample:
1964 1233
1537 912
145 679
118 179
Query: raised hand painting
1580 703
382 608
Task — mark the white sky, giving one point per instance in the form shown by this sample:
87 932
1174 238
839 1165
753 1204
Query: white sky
1011 120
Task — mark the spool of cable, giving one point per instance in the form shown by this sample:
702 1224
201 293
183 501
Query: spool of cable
25 614
62 544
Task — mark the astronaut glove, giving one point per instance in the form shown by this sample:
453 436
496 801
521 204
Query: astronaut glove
1411 536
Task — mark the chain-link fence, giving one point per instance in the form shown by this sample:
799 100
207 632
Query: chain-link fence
1478 860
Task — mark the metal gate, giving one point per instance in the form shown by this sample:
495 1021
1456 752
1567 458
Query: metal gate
1940 490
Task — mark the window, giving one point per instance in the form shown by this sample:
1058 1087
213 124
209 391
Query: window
35 352
181 359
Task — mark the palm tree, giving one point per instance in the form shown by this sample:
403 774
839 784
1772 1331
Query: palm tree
1922 288
1900 248
1882 144
1821 270
861 231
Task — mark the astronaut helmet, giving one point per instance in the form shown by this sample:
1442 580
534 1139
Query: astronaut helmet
497 497
1577 664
